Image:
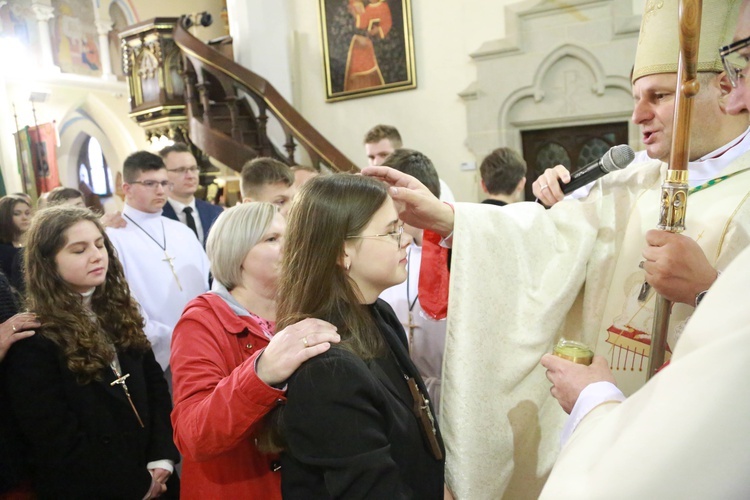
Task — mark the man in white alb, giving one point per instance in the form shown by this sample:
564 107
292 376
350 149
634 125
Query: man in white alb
163 261
522 276
691 416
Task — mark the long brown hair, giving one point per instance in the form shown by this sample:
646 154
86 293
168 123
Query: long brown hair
8 230
314 282
86 344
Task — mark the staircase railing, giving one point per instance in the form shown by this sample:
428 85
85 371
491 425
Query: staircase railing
228 108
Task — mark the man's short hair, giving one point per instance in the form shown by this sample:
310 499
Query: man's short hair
417 165
61 194
502 170
380 132
261 172
177 147
140 161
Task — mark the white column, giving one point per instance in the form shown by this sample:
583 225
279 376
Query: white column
103 27
261 38
44 12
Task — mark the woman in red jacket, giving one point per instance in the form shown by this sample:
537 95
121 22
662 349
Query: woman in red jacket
229 368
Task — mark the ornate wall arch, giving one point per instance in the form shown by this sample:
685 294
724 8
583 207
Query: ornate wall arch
554 69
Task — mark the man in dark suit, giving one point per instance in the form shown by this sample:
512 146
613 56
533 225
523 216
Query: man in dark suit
182 206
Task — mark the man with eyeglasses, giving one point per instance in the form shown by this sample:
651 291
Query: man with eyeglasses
692 415
522 277
736 59
182 205
163 261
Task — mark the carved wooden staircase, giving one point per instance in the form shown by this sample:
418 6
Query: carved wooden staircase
183 88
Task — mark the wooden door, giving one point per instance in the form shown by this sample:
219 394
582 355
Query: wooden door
573 147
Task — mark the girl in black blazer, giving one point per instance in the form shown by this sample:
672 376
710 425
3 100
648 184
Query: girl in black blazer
90 402
356 423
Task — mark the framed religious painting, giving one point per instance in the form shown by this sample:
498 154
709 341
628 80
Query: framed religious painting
368 47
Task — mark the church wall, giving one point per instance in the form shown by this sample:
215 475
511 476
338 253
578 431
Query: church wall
80 104
432 118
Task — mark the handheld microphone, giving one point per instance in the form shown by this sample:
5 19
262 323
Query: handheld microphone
617 158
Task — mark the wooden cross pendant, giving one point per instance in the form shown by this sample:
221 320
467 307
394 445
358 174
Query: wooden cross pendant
411 326
120 380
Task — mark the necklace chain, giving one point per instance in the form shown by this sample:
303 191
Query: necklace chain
409 302
163 246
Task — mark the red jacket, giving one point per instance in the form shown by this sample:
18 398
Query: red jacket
219 402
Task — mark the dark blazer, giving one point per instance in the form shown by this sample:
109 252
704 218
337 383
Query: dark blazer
349 427
206 211
84 441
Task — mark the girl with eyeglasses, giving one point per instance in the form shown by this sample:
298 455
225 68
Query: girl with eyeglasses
356 423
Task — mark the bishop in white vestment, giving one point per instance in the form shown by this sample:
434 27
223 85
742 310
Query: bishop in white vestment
522 277
686 433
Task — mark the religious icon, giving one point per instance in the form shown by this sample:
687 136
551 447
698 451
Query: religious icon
368 47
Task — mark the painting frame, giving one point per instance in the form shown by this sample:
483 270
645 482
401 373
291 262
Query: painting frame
368 47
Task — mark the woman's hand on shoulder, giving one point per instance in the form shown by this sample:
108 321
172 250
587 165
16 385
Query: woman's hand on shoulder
16 328
292 346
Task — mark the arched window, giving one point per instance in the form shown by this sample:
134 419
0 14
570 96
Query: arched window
92 168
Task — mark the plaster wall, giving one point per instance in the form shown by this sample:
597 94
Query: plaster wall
431 118
82 105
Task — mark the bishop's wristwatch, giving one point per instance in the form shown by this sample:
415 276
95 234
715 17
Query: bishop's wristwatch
699 297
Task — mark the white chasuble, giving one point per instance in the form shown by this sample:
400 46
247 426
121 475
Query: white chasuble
521 278
686 433
715 216
165 266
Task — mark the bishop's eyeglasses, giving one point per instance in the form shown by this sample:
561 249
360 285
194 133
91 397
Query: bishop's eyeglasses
396 235
735 64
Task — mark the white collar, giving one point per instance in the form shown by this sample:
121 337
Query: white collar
138 215
711 165
86 298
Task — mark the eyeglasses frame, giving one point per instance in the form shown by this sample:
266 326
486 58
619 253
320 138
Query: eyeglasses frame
180 171
398 234
166 185
733 73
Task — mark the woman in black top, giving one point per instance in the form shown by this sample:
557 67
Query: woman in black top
86 393
14 327
15 218
356 423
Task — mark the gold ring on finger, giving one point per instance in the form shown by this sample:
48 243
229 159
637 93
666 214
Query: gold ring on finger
304 341
545 186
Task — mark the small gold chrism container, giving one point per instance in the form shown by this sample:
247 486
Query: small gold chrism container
573 351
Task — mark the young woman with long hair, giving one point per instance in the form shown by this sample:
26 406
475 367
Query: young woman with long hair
89 399
15 218
356 423
228 365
